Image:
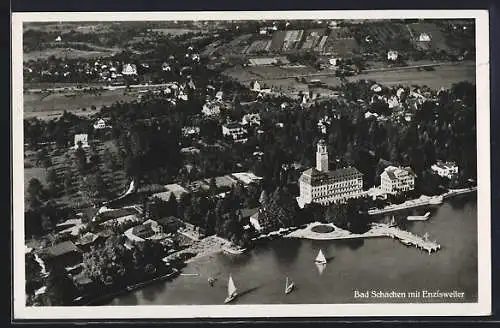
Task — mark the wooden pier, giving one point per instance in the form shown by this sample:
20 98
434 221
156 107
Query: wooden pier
409 239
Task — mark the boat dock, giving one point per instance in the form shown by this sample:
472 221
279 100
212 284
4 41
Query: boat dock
408 238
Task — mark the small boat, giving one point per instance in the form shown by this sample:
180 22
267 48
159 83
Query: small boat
211 281
406 242
289 286
231 290
320 258
419 217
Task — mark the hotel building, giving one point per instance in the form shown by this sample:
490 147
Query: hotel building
320 185
397 179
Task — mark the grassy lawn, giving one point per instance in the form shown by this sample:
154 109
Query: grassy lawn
63 161
39 173
69 53
443 76
40 102
322 229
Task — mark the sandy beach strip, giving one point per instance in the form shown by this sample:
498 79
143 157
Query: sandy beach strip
207 246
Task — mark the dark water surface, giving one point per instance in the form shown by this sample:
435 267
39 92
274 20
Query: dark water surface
377 264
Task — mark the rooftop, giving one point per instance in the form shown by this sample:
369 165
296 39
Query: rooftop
394 172
315 177
246 177
87 238
63 248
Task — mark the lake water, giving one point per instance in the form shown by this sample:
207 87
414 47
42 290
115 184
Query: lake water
377 264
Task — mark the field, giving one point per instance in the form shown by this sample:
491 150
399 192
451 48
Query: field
83 27
69 53
46 106
276 77
438 40
63 161
176 31
442 76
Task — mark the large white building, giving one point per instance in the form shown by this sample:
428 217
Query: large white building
445 169
235 131
397 179
320 185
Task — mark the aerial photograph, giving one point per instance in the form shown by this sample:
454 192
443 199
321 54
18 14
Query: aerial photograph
212 162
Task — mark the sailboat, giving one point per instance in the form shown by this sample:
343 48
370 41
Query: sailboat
289 286
231 290
320 258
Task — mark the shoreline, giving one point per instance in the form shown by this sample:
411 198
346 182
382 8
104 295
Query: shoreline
212 245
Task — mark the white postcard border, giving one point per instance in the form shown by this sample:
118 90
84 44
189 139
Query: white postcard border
482 307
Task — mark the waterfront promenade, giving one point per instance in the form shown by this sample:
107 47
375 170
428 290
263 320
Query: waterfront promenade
376 230
421 201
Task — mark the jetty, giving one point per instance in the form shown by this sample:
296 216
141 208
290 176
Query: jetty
421 201
408 238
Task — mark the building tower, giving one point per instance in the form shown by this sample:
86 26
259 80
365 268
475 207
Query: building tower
322 157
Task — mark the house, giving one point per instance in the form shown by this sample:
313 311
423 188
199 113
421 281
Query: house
392 55
235 131
255 86
424 37
376 88
219 95
190 131
129 69
445 169
334 61
251 119
175 189
165 67
87 240
170 224
143 231
247 177
58 39
397 179
63 254
211 109
101 124
370 114
81 140
393 102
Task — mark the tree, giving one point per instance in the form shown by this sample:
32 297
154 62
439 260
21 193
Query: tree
52 181
213 185
60 289
35 190
68 182
81 159
93 187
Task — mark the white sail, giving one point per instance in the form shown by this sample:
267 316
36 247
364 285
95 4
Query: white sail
289 285
320 258
231 288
